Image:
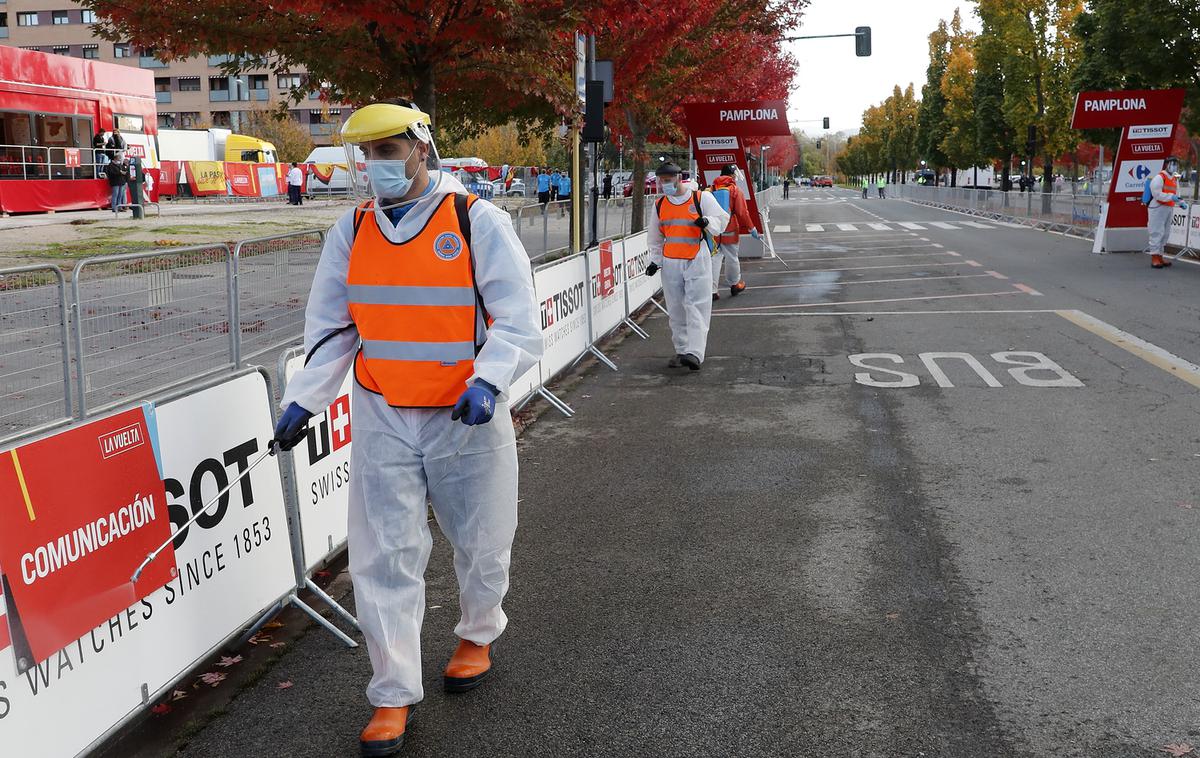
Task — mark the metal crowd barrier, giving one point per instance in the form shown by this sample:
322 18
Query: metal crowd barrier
1062 212
35 361
272 277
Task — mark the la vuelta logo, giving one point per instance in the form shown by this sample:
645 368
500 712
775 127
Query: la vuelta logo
331 431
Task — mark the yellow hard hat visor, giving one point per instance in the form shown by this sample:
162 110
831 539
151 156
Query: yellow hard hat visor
381 120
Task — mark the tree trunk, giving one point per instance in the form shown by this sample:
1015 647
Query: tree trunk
953 177
637 135
425 93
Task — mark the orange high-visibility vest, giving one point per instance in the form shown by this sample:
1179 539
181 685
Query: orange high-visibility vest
1170 186
416 307
681 236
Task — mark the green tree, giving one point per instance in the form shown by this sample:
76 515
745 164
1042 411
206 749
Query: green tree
291 140
960 142
931 121
995 137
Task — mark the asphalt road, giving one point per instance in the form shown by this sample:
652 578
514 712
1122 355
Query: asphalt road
797 552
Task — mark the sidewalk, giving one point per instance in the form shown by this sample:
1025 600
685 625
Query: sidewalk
670 593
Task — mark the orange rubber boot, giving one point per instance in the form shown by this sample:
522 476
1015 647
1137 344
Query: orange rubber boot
468 667
1156 261
737 289
384 735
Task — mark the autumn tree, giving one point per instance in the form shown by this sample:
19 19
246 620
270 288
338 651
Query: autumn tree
291 139
959 143
466 62
931 120
995 137
659 64
503 144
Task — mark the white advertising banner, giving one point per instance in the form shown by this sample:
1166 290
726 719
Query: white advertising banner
607 294
321 464
640 287
231 564
523 385
1178 237
562 296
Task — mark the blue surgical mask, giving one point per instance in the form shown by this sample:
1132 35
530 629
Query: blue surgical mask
670 188
390 179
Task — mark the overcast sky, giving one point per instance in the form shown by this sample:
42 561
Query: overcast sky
832 81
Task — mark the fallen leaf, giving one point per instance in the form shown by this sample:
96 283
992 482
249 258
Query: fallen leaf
260 638
178 695
212 678
285 685
278 644
892 616
161 709
321 574
227 661
1177 749
272 625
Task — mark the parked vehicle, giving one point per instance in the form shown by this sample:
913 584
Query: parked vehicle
327 172
651 186
516 189
213 145
822 181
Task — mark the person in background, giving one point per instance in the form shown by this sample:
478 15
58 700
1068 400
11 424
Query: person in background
1164 196
729 196
116 172
680 245
564 194
555 180
543 188
99 157
295 180
866 185
115 144
606 185
787 183
882 184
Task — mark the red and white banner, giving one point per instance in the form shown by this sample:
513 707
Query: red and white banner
241 179
69 550
71 157
1148 120
719 131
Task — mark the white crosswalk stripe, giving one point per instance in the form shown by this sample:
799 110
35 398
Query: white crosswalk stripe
890 226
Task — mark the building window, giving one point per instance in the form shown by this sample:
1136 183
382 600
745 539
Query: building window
162 84
189 119
61 50
34 48
27 19
259 81
289 81
121 50
59 18
189 84
218 83
89 17
221 119
91 51
166 120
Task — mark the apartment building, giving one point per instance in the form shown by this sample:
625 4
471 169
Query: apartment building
190 93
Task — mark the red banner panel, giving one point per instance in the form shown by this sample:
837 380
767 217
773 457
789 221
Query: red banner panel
71 542
1109 110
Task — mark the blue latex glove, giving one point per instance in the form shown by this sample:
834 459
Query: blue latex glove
292 426
476 405
754 233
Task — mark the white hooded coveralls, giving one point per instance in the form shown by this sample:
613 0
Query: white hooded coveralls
687 285
401 456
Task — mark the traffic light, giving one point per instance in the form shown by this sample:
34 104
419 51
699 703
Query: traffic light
862 41
593 112
825 123
818 144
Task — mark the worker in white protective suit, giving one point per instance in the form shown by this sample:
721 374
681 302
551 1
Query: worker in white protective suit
425 293
1164 196
681 245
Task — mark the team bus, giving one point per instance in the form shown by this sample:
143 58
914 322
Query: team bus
51 108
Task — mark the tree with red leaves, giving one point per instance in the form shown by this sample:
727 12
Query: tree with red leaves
705 51
474 62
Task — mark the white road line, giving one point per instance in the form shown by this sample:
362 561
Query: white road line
997 274
783 229
937 245
864 281
880 227
956 255
847 227
942 225
814 228
917 266
976 264
1147 351
977 225
865 257
1028 290
993 312
910 225
867 302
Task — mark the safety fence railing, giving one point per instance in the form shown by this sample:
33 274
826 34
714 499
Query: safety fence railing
35 367
271 277
1056 211
259 531
545 230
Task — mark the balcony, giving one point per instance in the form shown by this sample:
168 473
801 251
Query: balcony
218 96
322 130
162 97
148 62
217 60
3 29
260 95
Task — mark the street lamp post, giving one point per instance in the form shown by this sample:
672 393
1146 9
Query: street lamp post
762 165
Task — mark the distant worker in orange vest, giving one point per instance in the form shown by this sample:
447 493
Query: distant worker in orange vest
1164 196
424 292
733 202
681 244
